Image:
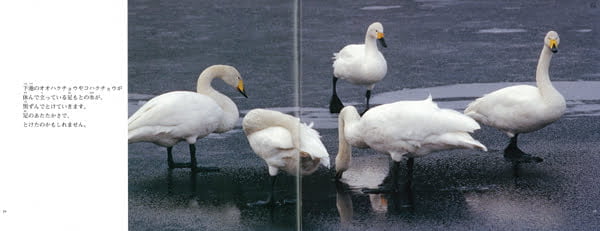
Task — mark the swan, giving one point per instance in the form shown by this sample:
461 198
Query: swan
188 116
404 129
522 108
360 64
283 142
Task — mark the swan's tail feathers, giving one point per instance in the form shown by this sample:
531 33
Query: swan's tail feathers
460 140
310 142
479 118
475 144
472 107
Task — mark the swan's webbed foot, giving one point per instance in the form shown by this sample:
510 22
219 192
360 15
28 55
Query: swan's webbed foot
335 104
195 169
387 188
514 154
198 169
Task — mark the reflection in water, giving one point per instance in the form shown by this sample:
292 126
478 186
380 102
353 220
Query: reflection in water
343 202
367 171
188 204
395 202
379 203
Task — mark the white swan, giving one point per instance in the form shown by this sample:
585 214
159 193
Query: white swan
184 115
404 129
283 142
360 64
522 108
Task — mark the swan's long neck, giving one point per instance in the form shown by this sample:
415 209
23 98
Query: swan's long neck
370 45
259 119
542 76
347 121
204 87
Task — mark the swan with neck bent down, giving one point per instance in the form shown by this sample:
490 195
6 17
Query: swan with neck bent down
283 142
404 129
522 108
360 64
188 116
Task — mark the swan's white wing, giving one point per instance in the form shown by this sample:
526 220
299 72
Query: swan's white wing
509 109
350 52
310 142
272 144
347 61
408 126
178 115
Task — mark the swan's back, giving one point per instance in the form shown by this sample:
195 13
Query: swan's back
417 127
171 117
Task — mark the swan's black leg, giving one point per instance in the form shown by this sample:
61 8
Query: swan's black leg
194 163
269 200
368 96
171 163
170 158
335 104
410 166
513 154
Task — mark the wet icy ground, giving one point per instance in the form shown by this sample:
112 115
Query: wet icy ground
453 50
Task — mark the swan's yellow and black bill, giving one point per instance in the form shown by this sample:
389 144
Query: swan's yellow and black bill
240 88
553 46
381 40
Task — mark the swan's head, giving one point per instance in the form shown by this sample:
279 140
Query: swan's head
232 77
552 40
375 30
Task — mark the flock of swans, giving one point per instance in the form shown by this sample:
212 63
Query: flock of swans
404 129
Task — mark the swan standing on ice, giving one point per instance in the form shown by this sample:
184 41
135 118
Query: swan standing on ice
360 64
283 142
404 129
184 115
522 108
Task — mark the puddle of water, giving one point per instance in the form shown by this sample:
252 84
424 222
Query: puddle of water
501 30
366 172
380 7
